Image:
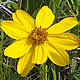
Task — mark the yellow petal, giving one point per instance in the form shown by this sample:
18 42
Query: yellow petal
14 30
57 55
64 25
68 41
40 54
25 64
45 17
24 18
18 48
15 19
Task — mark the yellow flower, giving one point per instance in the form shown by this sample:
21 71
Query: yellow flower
37 40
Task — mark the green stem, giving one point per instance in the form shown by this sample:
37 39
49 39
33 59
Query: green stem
27 5
19 4
44 74
9 69
59 76
71 8
57 68
1 55
57 6
54 74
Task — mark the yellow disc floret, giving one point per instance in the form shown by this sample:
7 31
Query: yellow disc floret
39 35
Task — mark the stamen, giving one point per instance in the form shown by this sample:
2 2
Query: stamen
39 35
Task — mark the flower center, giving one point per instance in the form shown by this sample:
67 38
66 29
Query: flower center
39 35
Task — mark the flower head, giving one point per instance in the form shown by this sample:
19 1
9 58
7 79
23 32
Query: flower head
37 40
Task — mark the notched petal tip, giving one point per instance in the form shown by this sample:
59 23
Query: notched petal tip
19 10
45 17
73 19
25 64
25 19
67 61
67 41
58 55
63 26
5 53
64 64
26 70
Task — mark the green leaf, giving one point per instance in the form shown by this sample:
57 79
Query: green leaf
74 63
54 74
